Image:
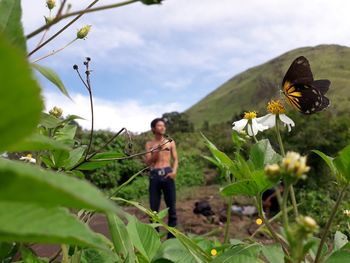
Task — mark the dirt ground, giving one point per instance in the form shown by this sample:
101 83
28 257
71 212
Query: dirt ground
241 226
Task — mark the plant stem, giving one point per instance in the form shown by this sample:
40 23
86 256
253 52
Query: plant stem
91 108
291 189
329 222
128 181
55 51
61 30
228 219
284 207
258 201
60 17
279 138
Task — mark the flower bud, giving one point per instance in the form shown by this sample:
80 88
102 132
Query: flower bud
294 166
151 2
83 32
346 213
48 20
308 224
56 111
272 171
50 4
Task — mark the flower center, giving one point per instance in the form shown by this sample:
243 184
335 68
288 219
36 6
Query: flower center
250 115
275 107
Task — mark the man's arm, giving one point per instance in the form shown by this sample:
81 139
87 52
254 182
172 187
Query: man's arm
175 159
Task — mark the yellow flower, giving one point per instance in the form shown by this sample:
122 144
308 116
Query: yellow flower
28 158
275 107
213 252
258 221
250 115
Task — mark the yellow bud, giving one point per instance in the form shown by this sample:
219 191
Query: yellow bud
50 4
83 32
213 252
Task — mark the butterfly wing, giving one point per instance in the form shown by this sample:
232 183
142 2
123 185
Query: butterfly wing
298 72
307 99
302 92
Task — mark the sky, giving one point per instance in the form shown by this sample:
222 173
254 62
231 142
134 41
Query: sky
148 60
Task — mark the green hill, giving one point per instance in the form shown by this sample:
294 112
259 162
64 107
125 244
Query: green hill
253 88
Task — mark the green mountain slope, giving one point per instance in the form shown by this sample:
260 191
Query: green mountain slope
253 88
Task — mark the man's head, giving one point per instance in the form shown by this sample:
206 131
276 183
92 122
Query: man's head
158 126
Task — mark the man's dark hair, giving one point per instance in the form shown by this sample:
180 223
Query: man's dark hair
155 121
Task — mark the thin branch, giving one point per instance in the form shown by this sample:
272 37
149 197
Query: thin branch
106 143
134 155
61 30
55 51
87 72
59 12
80 13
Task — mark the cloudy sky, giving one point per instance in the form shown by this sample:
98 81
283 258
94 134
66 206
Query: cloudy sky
148 60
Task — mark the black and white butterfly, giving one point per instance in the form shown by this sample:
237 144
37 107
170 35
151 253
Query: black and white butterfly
301 90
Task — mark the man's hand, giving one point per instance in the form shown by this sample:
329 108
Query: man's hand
171 175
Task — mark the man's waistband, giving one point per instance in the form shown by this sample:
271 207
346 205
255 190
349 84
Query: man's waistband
161 171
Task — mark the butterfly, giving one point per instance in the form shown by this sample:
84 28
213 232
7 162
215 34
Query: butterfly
303 93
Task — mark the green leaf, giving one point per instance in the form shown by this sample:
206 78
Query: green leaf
261 180
28 256
240 254
339 256
28 222
327 159
20 100
10 23
120 237
91 255
342 163
75 156
49 121
340 240
174 251
27 183
243 187
262 154
273 253
37 142
66 134
51 76
144 237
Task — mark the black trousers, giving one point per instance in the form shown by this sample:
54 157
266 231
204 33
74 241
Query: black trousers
159 183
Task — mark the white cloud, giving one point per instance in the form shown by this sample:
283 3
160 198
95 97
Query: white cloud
110 115
186 45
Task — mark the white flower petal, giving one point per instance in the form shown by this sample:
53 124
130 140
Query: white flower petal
287 121
251 131
239 125
268 120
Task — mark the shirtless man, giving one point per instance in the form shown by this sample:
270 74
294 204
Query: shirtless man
162 174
